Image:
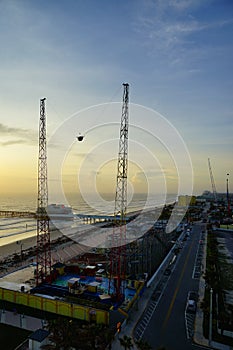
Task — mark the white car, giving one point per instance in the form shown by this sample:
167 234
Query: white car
191 306
192 299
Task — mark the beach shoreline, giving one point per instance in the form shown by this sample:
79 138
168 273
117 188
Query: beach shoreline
25 244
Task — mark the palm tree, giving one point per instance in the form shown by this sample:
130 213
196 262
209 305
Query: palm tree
143 345
66 334
61 331
126 342
108 337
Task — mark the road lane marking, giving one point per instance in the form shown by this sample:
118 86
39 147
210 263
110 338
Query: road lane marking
140 329
177 288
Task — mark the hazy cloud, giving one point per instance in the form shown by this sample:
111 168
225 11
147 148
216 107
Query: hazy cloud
169 28
142 175
13 142
17 136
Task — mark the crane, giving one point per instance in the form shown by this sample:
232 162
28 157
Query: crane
212 181
118 239
43 263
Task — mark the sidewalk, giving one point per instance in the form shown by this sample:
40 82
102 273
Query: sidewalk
134 317
15 319
140 306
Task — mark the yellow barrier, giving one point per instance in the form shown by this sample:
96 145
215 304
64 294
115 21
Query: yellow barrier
123 312
56 306
136 296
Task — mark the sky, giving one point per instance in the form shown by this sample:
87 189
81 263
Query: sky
176 55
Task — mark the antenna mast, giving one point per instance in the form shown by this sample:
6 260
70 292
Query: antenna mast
43 266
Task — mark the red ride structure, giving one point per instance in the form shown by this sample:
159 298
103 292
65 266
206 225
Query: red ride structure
118 240
43 263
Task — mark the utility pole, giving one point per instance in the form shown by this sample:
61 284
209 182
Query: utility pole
118 244
43 263
228 198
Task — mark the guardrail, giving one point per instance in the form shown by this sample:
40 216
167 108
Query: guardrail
162 267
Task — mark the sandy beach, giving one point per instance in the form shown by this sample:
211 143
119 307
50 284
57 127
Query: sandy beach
12 248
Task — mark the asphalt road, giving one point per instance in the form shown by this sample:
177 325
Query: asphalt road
169 325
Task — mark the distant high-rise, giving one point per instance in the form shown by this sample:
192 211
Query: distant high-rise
185 200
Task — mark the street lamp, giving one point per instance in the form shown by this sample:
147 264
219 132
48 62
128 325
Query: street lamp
228 198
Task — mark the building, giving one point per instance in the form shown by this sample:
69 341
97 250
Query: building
38 338
185 200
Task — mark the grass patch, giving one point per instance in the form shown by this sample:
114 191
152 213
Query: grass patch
226 274
228 227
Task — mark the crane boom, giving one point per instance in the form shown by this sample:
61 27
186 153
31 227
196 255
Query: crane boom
212 181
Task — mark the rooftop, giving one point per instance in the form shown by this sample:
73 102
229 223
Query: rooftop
39 335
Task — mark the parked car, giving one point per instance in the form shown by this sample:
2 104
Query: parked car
192 299
191 306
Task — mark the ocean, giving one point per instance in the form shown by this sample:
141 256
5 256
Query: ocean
17 229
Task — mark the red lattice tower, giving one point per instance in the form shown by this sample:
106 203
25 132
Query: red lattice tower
43 266
118 239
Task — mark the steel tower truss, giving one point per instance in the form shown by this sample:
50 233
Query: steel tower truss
43 267
118 242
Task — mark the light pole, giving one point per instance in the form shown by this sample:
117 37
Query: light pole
228 199
211 316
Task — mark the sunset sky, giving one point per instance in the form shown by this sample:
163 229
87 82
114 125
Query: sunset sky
177 56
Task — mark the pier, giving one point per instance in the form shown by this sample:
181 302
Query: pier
17 214
87 218
92 219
